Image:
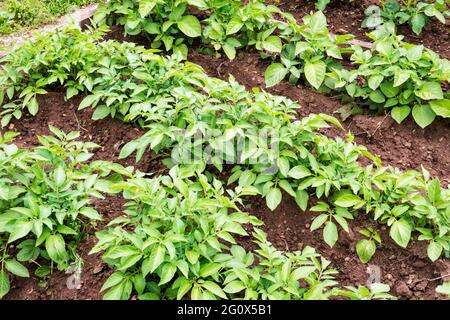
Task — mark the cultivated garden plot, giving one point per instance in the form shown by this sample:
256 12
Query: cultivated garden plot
221 149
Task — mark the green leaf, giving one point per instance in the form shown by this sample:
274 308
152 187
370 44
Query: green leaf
274 74
299 172
157 257
273 198
56 248
20 230
441 107
322 4
167 273
145 7
91 213
401 232
434 250
374 81
318 221
429 91
101 112
377 96
330 234
400 113
183 289
347 200
400 77
113 280
234 287
389 90
302 272
17 268
417 22
272 44
60 176
234 26
88 101
190 26
115 293
318 22
423 115
214 289
365 249
4 284
230 51
301 198
315 73
442 289
33 106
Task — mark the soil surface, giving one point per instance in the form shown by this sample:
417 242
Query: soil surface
409 272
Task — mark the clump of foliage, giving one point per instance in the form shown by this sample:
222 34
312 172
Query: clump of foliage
413 12
397 76
46 202
178 239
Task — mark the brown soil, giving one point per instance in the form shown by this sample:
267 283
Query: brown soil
346 17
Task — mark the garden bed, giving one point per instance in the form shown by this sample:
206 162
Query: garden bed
409 272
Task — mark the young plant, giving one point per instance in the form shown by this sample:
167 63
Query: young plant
45 202
178 239
331 215
444 289
413 12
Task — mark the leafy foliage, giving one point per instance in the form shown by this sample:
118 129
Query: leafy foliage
413 12
174 101
394 76
45 202
411 84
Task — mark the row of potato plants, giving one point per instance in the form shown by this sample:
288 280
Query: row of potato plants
174 101
46 206
394 76
412 12
176 238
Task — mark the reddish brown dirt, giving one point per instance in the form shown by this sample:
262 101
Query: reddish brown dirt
346 17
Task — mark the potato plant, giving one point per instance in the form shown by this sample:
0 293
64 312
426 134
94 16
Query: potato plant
178 240
46 202
411 84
